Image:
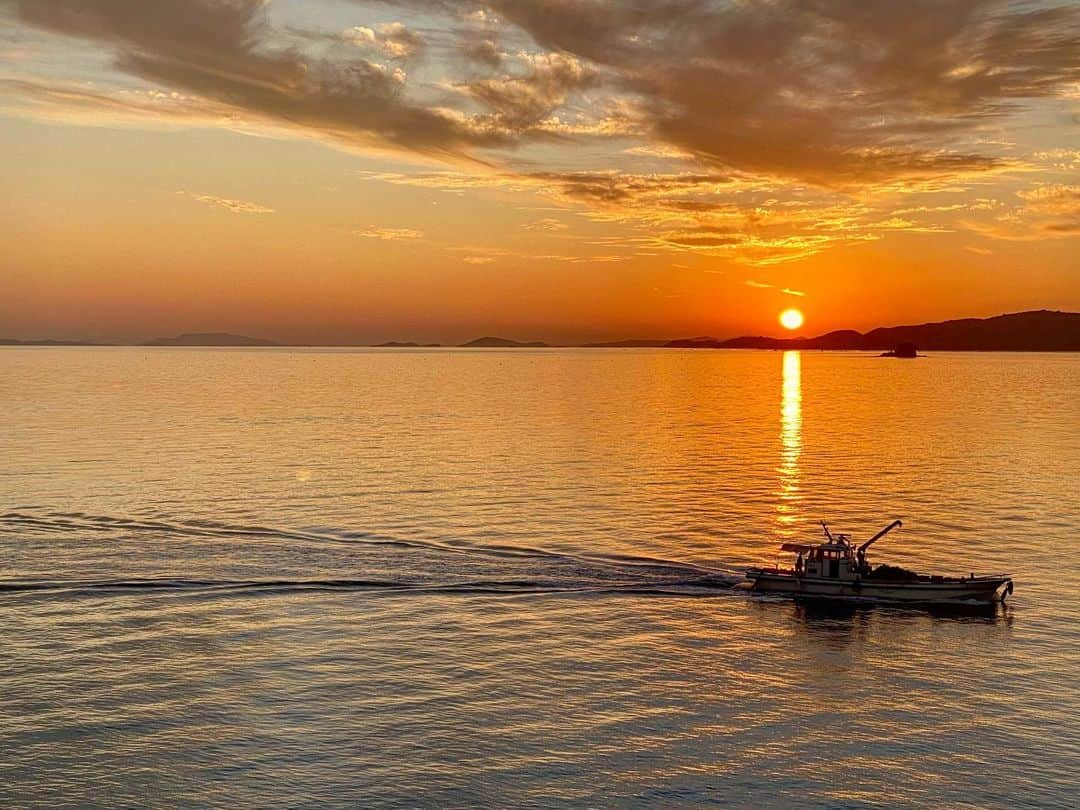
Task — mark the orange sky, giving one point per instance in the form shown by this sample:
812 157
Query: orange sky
340 171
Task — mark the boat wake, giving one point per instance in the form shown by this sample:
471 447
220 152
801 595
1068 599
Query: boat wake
703 586
274 560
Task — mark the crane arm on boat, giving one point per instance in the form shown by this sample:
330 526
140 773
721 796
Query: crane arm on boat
879 535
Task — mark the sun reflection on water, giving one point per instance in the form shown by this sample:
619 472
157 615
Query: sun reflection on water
790 444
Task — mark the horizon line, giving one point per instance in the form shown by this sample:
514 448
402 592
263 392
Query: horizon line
484 341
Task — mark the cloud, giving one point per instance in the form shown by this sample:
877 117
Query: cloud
702 239
798 121
761 285
549 224
659 151
236 206
518 102
1047 211
488 255
80 102
481 250
223 53
607 188
1052 197
1055 208
394 40
389 234
833 92
359 35
483 51
725 215
1062 159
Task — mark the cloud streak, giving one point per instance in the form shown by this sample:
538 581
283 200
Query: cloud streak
731 216
389 234
1047 211
235 206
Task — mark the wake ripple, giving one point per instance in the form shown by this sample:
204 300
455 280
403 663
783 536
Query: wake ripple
559 572
76 522
700 586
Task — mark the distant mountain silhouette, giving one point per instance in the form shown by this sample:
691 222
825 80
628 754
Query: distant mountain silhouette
501 343
14 342
1037 331
210 339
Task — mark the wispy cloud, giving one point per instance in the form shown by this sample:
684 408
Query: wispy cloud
1062 159
659 151
1047 211
549 224
394 40
717 214
389 234
236 206
761 285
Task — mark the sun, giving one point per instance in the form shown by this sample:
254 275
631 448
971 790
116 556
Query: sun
791 319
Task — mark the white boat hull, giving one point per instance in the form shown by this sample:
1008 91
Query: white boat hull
977 589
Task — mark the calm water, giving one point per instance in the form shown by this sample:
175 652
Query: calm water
446 578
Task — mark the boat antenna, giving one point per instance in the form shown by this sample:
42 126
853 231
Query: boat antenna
879 535
825 526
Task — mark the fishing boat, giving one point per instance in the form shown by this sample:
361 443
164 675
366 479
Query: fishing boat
839 569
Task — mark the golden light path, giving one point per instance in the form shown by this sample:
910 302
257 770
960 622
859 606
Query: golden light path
790 444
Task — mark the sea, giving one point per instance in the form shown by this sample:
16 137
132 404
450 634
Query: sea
514 578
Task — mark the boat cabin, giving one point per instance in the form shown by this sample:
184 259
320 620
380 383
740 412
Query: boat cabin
835 559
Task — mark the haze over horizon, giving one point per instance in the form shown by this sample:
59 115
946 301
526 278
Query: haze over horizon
225 335
336 171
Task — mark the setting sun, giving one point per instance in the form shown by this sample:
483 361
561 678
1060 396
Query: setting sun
791 319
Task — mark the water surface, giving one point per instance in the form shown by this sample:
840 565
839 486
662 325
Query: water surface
443 578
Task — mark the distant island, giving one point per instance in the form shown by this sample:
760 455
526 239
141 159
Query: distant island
398 344
501 343
210 339
13 342
903 351
1036 331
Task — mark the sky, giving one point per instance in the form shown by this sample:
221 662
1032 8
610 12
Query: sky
336 171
